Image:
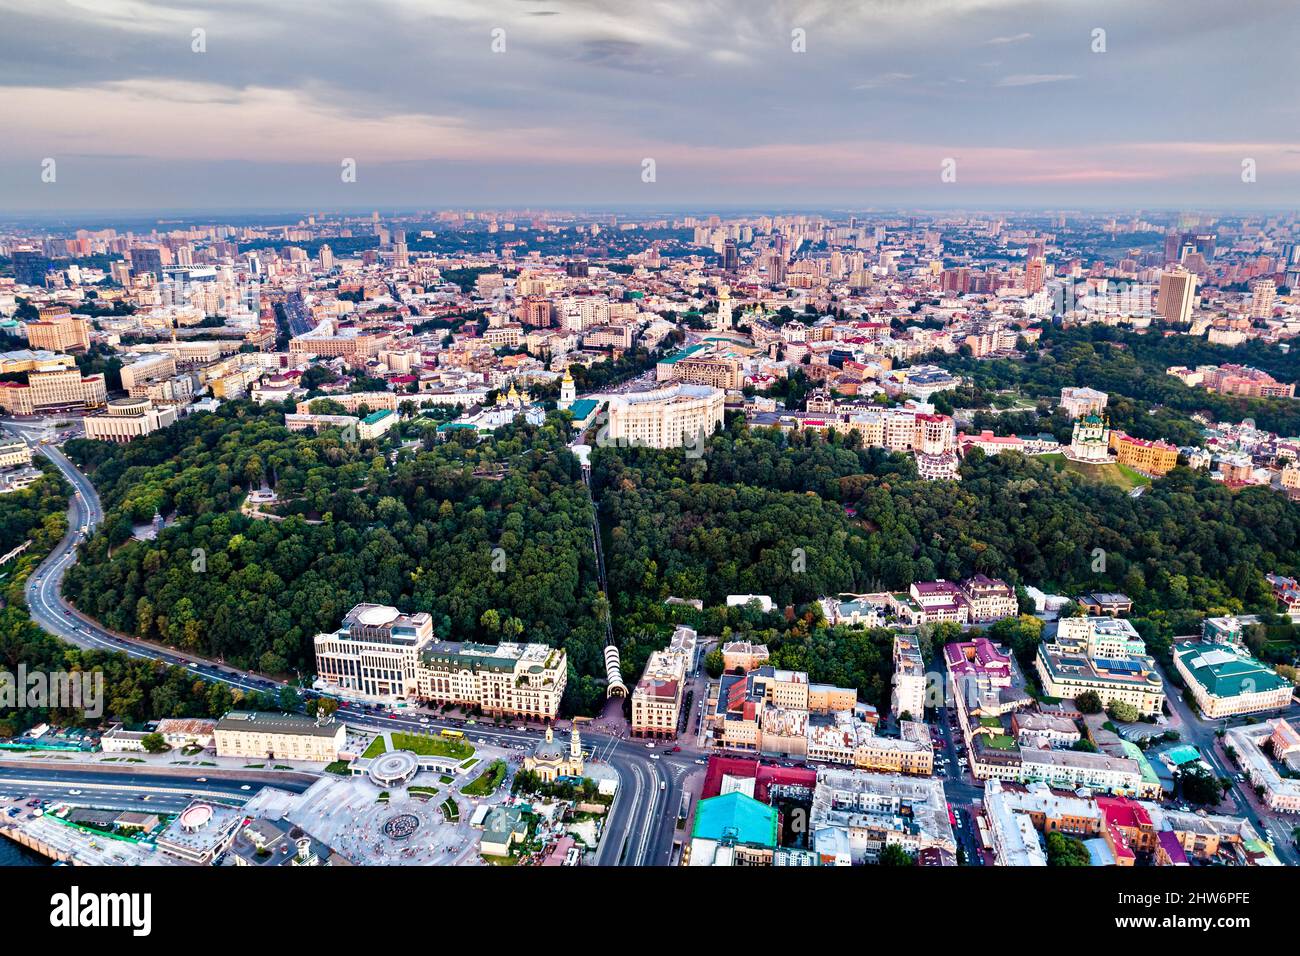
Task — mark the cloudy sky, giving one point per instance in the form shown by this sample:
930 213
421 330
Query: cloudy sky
586 90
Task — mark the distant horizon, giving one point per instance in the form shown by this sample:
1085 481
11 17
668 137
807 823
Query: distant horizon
161 105
628 211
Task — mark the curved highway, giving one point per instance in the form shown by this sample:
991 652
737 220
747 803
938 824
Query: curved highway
642 821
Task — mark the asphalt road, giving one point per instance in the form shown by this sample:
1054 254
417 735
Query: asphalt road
137 789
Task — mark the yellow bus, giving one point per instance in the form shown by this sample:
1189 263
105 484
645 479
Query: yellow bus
452 733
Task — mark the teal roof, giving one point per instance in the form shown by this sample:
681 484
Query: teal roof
448 426
1226 672
684 353
377 416
736 818
1183 753
583 407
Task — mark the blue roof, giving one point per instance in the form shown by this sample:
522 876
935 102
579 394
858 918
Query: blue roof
583 407
736 818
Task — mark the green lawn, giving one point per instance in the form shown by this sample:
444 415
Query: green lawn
450 810
426 745
1109 473
487 781
1001 742
377 746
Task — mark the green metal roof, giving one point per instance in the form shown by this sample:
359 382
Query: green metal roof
1225 672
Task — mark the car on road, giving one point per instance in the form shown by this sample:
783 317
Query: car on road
650 745
674 750
654 756
245 787
701 762
424 720
75 793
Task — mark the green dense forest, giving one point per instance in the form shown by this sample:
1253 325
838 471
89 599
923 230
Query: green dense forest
801 516
489 558
135 690
1144 400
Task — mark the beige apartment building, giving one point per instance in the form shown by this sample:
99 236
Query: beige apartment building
657 697
53 390
719 372
742 656
59 333
522 680
670 417
362 345
269 736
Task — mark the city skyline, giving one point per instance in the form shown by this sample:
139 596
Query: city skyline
1029 103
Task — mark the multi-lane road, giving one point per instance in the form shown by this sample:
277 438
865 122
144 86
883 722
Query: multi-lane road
641 823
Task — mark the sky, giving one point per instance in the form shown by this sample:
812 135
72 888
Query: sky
537 103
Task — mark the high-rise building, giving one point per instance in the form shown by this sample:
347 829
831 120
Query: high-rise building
146 259
730 256
1035 275
1262 294
30 266
1177 291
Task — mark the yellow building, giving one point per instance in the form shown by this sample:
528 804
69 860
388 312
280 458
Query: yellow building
1150 457
549 760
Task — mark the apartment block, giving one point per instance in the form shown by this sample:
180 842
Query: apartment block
657 697
909 682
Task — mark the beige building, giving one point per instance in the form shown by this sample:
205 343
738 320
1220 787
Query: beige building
679 415
375 652
267 736
1269 754
128 418
524 680
1176 296
909 677
380 653
1101 654
718 371
352 347
51 390
15 453
59 333
742 656
657 697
